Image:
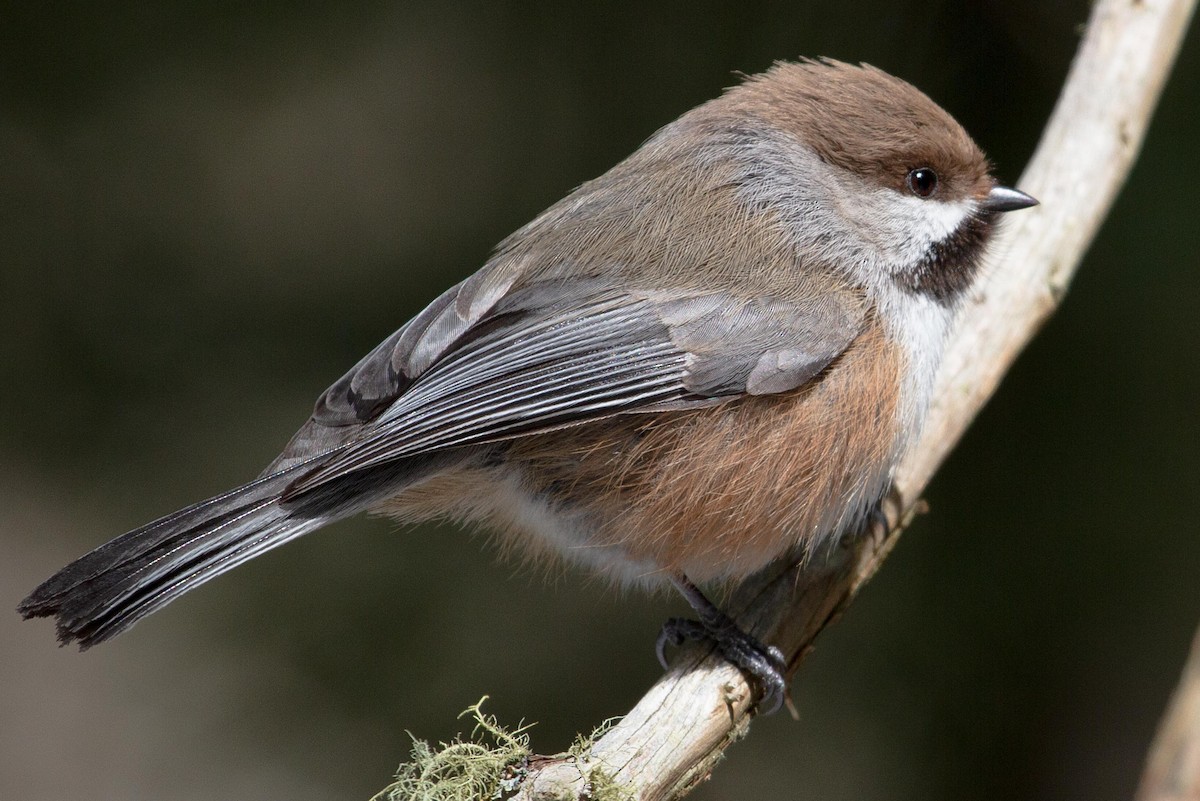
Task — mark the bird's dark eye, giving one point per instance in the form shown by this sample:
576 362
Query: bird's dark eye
922 182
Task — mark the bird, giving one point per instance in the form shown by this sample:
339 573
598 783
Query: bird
711 356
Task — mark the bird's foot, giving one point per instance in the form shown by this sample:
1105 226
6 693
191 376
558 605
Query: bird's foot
764 664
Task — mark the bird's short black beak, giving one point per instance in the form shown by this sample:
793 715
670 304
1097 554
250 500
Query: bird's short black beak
1001 198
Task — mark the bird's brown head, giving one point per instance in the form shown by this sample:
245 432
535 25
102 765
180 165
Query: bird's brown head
873 125
895 186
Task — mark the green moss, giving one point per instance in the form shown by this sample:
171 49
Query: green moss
490 764
601 786
487 765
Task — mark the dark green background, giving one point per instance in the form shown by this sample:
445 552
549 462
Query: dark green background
208 212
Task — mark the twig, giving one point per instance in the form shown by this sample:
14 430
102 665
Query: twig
672 738
1173 767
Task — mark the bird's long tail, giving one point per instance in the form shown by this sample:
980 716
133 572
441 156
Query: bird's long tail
105 592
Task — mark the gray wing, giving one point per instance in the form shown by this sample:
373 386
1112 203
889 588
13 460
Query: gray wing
549 355
380 377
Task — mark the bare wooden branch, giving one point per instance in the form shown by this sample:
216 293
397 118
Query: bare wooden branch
672 738
1173 767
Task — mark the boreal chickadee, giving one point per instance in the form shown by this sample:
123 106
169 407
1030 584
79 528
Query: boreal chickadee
711 355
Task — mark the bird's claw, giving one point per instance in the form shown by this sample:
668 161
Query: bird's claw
764 664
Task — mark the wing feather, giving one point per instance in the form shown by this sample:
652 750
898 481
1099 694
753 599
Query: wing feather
546 356
568 364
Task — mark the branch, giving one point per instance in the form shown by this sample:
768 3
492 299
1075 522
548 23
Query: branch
1173 768
672 738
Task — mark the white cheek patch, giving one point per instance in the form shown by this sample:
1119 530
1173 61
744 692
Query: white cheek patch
906 227
837 218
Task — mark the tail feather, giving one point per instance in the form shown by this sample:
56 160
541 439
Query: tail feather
108 590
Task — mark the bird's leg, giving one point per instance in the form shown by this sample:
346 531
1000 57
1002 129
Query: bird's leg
763 663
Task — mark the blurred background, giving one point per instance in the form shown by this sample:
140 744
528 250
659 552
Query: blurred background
209 212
